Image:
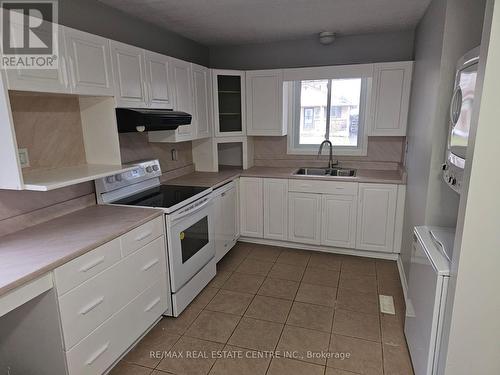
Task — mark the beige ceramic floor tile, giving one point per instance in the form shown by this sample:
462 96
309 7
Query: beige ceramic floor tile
310 316
387 269
335 371
213 326
180 324
320 276
294 257
316 294
244 363
325 261
230 302
285 366
397 360
256 334
265 253
348 299
360 266
361 283
129 369
392 330
302 341
365 357
269 308
286 272
240 282
219 279
230 262
254 267
190 356
356 324
279 288
203 298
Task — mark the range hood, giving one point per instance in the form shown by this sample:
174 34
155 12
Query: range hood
147 120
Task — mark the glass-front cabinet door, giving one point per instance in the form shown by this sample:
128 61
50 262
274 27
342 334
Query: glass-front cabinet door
229 103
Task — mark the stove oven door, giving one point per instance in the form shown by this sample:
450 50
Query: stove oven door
190 241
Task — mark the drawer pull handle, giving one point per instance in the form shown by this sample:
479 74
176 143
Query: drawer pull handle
153 304
150 264
91 306
91 265
144 236
97 354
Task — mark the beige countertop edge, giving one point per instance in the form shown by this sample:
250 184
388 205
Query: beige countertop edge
11 285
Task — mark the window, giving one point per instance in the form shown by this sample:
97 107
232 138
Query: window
330 109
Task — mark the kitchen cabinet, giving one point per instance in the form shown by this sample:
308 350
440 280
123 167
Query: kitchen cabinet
202 95
251 207
229 102
158 81
89 63
226 219
275 209
264 103
376 217
390 98
129 70
304 221
339 220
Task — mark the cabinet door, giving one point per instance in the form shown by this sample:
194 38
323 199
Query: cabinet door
376 217
229 102
251 207
304 218
183 96
158 80
42 80
264 97
130 75
229 212
391 97
276 209
339 220
89 60
202 101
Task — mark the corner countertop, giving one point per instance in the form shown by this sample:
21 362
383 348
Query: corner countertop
34 251
216 179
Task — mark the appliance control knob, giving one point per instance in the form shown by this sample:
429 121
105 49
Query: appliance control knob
155 168
149 169
110 179
444 167
450 179
454 181
118 177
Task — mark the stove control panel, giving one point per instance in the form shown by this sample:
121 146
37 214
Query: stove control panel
453 177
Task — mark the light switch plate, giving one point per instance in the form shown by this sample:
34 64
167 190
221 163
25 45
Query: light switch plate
387 304
24 159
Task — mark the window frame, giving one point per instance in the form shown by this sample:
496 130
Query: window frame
292 91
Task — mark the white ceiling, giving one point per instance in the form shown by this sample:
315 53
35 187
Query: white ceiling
219 22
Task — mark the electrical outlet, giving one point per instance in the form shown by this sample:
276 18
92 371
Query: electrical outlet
24 159
174 154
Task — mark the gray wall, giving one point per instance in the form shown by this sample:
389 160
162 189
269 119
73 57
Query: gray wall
448 29
97 18
354 49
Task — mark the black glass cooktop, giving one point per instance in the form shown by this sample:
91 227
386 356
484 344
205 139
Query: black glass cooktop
165 196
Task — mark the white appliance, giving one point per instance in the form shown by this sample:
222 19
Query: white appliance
460 119
188 219
427 288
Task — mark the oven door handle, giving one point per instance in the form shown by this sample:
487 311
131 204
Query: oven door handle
191 209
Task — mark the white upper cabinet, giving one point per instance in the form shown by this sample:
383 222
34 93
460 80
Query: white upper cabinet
89 62
390 98
339 220
229 102
130 75
251 207
158 81
376 217
276 209
42 80
202 115
304 221
264 100
183 96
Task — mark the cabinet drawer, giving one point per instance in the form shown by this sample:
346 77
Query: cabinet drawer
87 306
97 352
86 266
140 236
323 187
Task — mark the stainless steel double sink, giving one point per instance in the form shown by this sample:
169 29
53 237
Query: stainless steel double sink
326 172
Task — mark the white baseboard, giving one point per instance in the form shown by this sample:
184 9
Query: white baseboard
402 276
333 250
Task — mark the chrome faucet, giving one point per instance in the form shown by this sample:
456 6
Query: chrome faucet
331 162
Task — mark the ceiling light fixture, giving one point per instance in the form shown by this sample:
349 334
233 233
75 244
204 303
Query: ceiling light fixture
326 37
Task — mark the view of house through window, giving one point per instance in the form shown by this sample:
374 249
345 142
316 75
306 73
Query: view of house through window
340 123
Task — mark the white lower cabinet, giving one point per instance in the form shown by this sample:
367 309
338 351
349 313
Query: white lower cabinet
251 207
226 223
275 209
304 218
339 220
376 217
